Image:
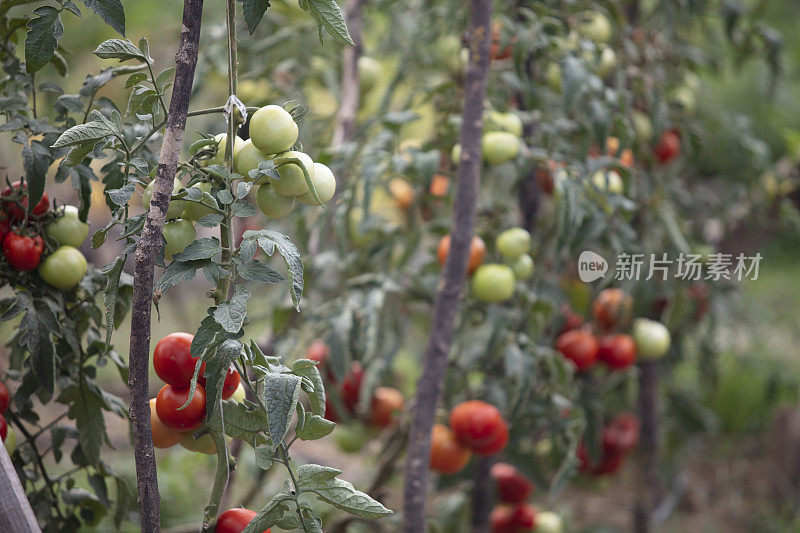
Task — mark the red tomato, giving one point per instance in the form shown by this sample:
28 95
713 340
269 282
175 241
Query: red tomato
448 456
480 426
5 398
173 361
386 402
501 520
15 212
235 520
22 252
572 320
612 308
5 227
319 351
578 346
617 351
170 398
330 410
669 146
351 386
610 462
232 379
512 486
523 516
621 435
3 428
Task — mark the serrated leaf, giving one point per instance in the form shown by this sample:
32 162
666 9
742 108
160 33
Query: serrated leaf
210 221
280 395
242 422
204 248
121 196
110 11
308 369
178 272
315 427
86 408
217 366
44 31
253 12
35 329
323 482
112 272
91 131
329 17
164 79
242 189
242 209
232 314
258 271
270 514
36 159
121 49
270 240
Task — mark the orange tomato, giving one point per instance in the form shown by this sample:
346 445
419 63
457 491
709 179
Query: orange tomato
439 185
477 251
402 192
386 402
448 456
163 436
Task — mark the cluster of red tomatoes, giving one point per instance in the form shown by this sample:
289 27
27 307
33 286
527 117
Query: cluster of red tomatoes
23 244
611 310
386 401
171 424
5 401
475 427
620 436
512 514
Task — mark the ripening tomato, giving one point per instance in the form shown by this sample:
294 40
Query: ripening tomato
64 268
273 129
386 402
67 229
231 383
330 410
319 351
351 386
523 516
402 192
617 351
496 53
572 320
668 147
235 520
5 398
22 252
477 251
163 436
512 486
173 361
501 520
202 444
448 455
3 427
652 339
480 426
17 203
612 308
621 435
170 398
578 346
439 185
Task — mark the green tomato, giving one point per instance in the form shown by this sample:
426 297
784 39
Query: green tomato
513 243
553 76
455 155
179 234
325 184
292 181
448 51
652 339
205 444
523 267
493 283
273 129
369 72
67 229
499 147
685 98
64 268
248 159
11 441
271 203
508 122
596 27
176 207
195 211
548 522
352 438
642 127
238 395
607 62
222 143
609 181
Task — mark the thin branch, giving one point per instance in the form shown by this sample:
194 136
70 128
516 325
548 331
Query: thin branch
448 297
345 127
144 261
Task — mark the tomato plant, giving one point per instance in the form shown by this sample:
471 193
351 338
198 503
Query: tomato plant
169 402
173 361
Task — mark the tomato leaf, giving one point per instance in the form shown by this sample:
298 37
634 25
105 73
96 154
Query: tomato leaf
270 514
257 271
315 427
35 329
36 159
253 12
121 49
232 314
216 368
280 395
270 240
323 482
110 11
329 17
308 369
86 408
44 31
